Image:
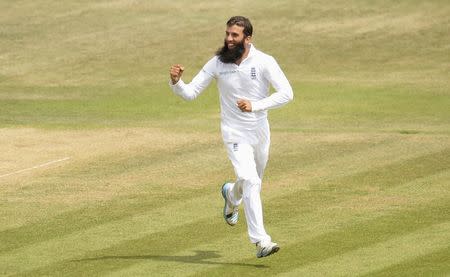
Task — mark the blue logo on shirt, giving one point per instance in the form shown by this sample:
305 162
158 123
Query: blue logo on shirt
253 73
227 72
235 147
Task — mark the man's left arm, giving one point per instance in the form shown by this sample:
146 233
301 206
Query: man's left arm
283 90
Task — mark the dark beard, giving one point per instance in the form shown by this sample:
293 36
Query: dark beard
231 55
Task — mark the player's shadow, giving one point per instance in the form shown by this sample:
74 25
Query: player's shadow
200 257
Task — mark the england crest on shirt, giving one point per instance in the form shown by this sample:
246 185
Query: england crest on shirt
253 73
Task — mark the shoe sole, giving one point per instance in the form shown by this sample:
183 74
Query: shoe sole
225 205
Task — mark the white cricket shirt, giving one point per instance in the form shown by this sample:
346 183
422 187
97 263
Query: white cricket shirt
250 80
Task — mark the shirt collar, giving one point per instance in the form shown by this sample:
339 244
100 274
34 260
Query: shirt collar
251 51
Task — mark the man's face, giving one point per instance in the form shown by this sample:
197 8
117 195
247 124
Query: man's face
234 35
234 45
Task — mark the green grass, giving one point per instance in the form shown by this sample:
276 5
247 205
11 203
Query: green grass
357 182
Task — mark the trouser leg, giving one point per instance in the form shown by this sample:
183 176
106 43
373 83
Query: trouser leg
262 156
253 211
247 189
262 149
236 193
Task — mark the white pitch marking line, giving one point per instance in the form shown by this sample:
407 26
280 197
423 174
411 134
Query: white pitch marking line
37 166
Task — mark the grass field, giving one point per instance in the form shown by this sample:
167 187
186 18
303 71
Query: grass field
103 171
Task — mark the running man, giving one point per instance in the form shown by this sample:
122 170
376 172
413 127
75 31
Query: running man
244 76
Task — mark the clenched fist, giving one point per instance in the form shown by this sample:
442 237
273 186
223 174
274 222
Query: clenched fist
175 73
244 105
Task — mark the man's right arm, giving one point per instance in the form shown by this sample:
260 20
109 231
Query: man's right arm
193 89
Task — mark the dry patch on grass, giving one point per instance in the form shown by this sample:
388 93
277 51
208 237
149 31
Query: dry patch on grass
27 147
104 164
7 95
360 25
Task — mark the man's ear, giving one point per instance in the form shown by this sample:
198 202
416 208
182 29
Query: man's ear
248 39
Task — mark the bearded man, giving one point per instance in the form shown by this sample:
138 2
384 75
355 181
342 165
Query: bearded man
244 76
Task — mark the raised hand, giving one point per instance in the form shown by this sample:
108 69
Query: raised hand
175 73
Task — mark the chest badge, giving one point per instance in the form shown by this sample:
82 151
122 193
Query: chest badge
253 73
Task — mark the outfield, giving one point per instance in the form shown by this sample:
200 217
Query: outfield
103 171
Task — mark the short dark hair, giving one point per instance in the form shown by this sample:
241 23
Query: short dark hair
241 22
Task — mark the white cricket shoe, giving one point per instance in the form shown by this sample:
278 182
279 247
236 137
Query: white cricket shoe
230 212
264 249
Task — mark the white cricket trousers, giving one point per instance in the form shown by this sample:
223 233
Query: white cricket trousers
249 162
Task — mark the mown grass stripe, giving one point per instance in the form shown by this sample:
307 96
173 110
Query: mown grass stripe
430 264
348 164
152 247
397 173
104 235
85 218
380 255
346 239
361 183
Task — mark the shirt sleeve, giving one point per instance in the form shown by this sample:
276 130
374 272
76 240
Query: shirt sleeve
283 90
197 85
